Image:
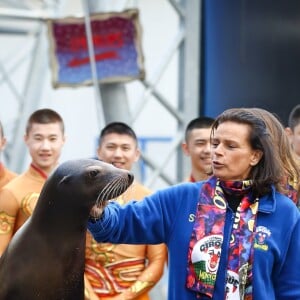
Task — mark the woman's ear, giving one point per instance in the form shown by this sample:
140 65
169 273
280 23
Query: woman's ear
256 157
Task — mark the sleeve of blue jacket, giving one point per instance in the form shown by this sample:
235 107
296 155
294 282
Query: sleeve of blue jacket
149 221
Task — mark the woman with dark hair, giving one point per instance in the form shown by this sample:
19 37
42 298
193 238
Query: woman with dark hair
233 236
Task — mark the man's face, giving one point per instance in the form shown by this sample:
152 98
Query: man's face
45 142
198 148
118 149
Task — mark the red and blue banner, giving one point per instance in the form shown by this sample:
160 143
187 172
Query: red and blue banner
117 46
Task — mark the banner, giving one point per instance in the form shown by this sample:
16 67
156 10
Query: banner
117 47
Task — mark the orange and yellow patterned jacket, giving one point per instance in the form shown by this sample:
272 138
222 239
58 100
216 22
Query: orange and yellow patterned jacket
123 271
17 201
6 175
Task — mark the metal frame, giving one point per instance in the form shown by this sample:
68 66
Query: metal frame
186 41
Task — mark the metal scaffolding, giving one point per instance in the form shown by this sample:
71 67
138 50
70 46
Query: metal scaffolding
111 99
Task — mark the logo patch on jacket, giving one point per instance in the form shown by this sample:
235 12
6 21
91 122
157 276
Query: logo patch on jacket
262 234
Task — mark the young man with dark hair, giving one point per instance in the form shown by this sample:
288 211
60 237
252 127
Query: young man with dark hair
118 271
44 137
197 147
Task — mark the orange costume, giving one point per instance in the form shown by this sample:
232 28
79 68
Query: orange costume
5 175
17 201
130 270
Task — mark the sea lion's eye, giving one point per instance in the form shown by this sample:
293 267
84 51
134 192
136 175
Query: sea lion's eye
93 173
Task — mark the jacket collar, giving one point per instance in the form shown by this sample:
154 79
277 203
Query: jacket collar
267 203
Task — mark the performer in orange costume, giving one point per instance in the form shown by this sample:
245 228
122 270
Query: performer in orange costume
44 138
119 271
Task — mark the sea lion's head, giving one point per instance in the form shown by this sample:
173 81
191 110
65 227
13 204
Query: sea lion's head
92 181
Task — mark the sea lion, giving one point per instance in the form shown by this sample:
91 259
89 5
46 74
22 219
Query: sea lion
45 258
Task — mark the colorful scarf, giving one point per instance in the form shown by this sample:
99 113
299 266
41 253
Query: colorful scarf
207 238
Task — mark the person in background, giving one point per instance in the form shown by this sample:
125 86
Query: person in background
233 236
293 129
44 138
6 175
288 159
119 271
197 147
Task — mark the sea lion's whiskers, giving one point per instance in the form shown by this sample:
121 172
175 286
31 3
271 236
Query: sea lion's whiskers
106 193
113 189
118 187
